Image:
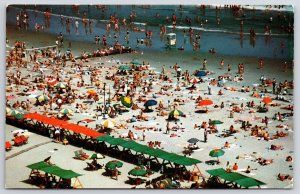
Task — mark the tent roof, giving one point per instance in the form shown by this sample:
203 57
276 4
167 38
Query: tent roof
249 182
63 124
216 172
81 129
240 179
172 157
104 138
54 170
187 161
38 166
44 119
116 141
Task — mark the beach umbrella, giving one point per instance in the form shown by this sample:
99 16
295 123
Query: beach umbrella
194 80
113 164
52 82
126 101
66 111
91 92
176 113
8 110
138 171
97 156
42 98
193 140
61 85
205 103
200 73
267 100
14 112
108 124
124 67
150 103
216 153
216 122
135 62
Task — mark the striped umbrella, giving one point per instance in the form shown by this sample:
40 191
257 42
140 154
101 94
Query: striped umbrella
66 111
194 80
14 112
126 101
8 110
176 113
61 85
108 124
42 98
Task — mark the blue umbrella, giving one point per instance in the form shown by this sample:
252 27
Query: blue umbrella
150 103
200 73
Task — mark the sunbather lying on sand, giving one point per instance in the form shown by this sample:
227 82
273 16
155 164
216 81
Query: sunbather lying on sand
263 162
276 147
283 177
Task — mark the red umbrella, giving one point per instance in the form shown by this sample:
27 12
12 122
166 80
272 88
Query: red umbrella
194 80
205 103
267 100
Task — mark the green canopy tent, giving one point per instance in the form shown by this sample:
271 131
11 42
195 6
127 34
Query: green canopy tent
249 182
236 178
55 170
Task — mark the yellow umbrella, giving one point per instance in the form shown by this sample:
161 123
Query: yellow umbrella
108 123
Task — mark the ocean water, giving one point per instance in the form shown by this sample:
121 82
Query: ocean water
224 38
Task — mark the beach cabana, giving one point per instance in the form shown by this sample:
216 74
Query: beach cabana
234 179
64 176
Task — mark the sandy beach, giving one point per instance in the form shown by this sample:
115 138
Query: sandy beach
244 149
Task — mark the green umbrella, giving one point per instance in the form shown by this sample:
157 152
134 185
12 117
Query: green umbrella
136 62
126 101
97 156
42 98
113 164
66 111
138 171
124 67
217 153
176 113
61 85
215 122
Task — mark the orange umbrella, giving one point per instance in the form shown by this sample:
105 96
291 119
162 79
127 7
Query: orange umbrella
205 103
267 100
91 92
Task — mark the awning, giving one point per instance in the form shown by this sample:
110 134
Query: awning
235 177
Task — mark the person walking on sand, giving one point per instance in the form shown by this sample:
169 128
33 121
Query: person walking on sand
168 127
205 135
144 135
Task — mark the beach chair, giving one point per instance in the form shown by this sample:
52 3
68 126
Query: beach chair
24 139
91 166
79 154
8 146
18 141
